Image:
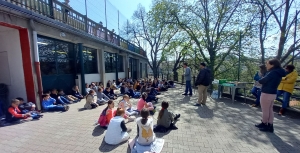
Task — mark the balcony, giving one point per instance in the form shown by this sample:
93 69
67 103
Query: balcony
65 14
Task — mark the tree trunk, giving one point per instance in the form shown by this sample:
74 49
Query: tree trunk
175 77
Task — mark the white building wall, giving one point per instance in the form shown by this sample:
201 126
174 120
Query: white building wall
12 63
88 79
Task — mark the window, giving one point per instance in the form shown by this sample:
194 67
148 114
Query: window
56 56
110 62
90 60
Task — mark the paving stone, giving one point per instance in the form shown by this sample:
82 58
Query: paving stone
219 127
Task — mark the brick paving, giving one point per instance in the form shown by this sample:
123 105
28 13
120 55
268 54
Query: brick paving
218 127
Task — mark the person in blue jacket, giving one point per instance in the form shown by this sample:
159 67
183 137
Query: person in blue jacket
49 104
256 90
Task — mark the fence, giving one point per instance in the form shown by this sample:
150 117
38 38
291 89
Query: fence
64 13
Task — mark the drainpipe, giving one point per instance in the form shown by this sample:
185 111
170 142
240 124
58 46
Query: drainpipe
37 68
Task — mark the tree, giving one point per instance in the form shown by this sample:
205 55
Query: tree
212 26
157 35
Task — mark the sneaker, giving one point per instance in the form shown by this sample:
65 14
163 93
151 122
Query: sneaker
67 107
185 94
197 105
260 125
177 116
254 105
190 94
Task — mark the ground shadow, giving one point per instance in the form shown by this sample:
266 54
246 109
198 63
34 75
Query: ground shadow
98 130
205 112
104 147
282 146
81 109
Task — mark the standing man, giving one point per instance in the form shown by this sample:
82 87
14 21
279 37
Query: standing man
188 78
203 80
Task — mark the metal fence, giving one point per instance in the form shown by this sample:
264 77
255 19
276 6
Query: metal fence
64 12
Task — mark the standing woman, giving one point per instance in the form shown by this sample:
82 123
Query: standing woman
269 83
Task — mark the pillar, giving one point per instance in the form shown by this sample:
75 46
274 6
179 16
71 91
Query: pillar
80 48
117 65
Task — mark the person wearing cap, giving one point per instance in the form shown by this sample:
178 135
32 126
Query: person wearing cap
188 78
202 82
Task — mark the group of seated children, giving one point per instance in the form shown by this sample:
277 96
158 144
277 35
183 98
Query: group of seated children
114 121
19 110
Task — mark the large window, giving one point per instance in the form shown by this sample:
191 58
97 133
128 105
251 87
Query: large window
56 56
89 61
110 62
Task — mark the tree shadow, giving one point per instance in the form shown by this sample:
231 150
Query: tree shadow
104 147
282 146
98 130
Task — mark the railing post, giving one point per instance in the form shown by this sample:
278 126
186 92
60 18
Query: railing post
105 31
86 24
51 9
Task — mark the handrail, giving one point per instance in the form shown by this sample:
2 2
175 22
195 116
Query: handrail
66 14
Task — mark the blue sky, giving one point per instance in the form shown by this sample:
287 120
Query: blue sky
96 10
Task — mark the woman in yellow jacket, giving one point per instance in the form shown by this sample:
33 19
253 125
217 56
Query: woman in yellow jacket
286 87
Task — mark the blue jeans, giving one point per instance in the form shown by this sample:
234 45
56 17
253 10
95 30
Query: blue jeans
256 92
55 108
65 100
286 98
188 87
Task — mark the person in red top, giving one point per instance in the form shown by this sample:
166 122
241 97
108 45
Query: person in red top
14 114
143 104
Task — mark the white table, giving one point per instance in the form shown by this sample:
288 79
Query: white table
233 89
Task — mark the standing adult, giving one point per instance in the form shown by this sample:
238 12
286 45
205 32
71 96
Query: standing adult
202 82
269 83
188 78
286 87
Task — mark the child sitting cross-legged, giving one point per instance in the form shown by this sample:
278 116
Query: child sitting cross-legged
107 114
102 98
108 93
127 106
165 120
49 104
28 107
143 104
145 128
117 131
91 100
14 114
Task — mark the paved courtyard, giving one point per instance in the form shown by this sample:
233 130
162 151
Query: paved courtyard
218 127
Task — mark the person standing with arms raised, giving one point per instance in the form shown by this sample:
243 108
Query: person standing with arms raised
202 82
188 78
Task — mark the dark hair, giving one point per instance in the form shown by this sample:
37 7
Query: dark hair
144 96
119 112
90 93
54 89
290 67
108 103
164 106
144 113
60 90
13 101
275 62
263 69
203 64
100 89
45 95
20 99
185 63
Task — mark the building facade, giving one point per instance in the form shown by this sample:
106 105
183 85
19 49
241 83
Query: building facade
45 44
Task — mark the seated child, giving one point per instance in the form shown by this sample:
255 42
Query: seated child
107 114
49 104
161 87
76 93
122 89
145 128
127 106
117 131
102 98
14 114
58 99
67 98
111 91
151 96
143 104
87 88
108 94
28 107
91 100
165 119
133 94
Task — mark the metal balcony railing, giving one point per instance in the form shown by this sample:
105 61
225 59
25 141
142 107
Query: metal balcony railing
65 14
